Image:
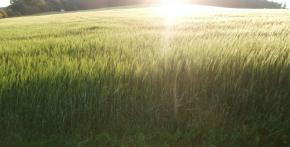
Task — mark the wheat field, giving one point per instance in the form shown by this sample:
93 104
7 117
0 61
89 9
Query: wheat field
129 77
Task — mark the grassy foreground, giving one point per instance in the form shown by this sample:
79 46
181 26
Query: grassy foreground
128 77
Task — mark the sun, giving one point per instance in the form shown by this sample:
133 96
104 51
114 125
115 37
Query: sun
175 11
172 8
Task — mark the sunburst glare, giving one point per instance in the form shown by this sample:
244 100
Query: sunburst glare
173 9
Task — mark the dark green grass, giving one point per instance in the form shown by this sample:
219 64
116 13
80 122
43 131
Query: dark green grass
126 77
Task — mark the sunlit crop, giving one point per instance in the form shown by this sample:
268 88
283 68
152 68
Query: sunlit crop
124 76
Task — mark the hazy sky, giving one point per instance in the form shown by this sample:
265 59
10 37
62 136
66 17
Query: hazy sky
283 1
4 3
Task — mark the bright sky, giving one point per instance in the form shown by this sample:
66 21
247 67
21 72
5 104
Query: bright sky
284 1
4 3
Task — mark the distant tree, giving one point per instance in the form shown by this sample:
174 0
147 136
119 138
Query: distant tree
54 5
241 3
284 5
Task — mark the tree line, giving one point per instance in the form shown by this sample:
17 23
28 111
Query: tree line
27 7
257 4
